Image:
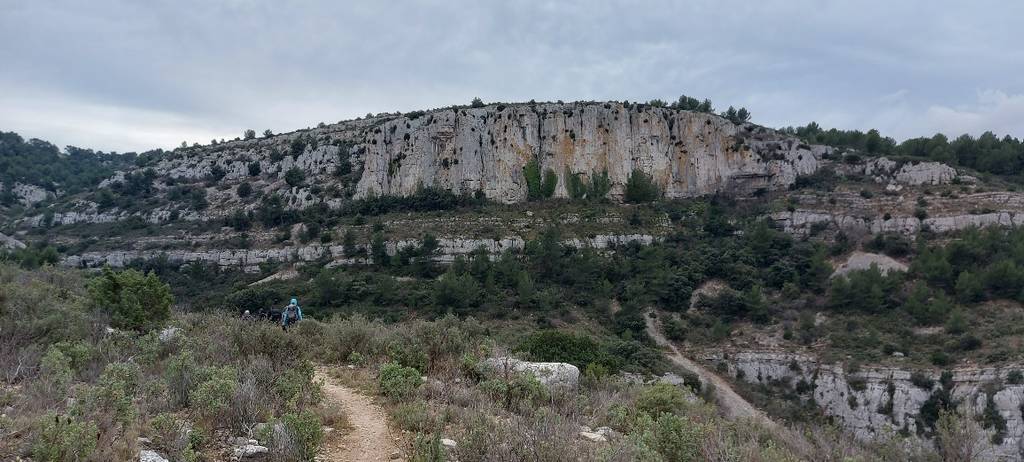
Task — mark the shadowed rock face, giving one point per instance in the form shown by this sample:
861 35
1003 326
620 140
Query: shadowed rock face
880 400
485 149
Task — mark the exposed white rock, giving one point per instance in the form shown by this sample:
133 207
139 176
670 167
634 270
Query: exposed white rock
862 260
249 450
29 194
169 334
884 170
593 437
147 455
800 222
860 402
549 374
485 149
925 173
448 250
7 242
449 443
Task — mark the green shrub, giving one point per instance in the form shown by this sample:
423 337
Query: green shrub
63 439
55 371
114 393
918 379
600 185
303 434
168 432
534 183
661 398
356 358
397 381
940 358
253 299
414 417
457 291
515 392
640 187
181 375
1015 377
574 185
957 322
868 291
297 387
294 177
548 185
244 190
558 346
427 448
211 399
595 372
671 436
133 300
924 307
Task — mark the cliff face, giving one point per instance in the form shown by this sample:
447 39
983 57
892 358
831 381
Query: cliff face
448 249
485 149
872 402
855 215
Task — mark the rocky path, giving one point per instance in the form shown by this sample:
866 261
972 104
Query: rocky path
368 438
733 405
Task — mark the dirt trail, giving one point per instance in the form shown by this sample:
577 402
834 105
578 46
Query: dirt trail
368 439
732 404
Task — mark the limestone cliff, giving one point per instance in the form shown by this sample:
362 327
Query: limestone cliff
687 153
877 400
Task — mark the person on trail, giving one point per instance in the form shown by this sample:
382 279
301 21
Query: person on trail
291 314
247 316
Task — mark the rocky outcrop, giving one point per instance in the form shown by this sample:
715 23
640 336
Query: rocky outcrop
862 260
804 222
28 194
10 243
871 402
884 170
552 375
147 455
447 251
485 149
94 216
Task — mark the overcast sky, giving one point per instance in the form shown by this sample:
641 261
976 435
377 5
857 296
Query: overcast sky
136 75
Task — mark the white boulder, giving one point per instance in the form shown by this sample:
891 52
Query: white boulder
549 374
169 334
8 242
151 456
862 260
249 450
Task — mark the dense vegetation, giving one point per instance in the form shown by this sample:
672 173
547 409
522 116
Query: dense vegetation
76 392
39 163
190 388
987 153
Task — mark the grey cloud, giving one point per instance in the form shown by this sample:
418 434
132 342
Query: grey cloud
164 71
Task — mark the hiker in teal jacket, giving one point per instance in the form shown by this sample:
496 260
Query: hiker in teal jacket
291 314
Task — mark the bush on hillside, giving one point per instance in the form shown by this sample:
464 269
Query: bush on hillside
661 398
301 436
294 177
640 188
133 300
398 382
558 346
64 438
